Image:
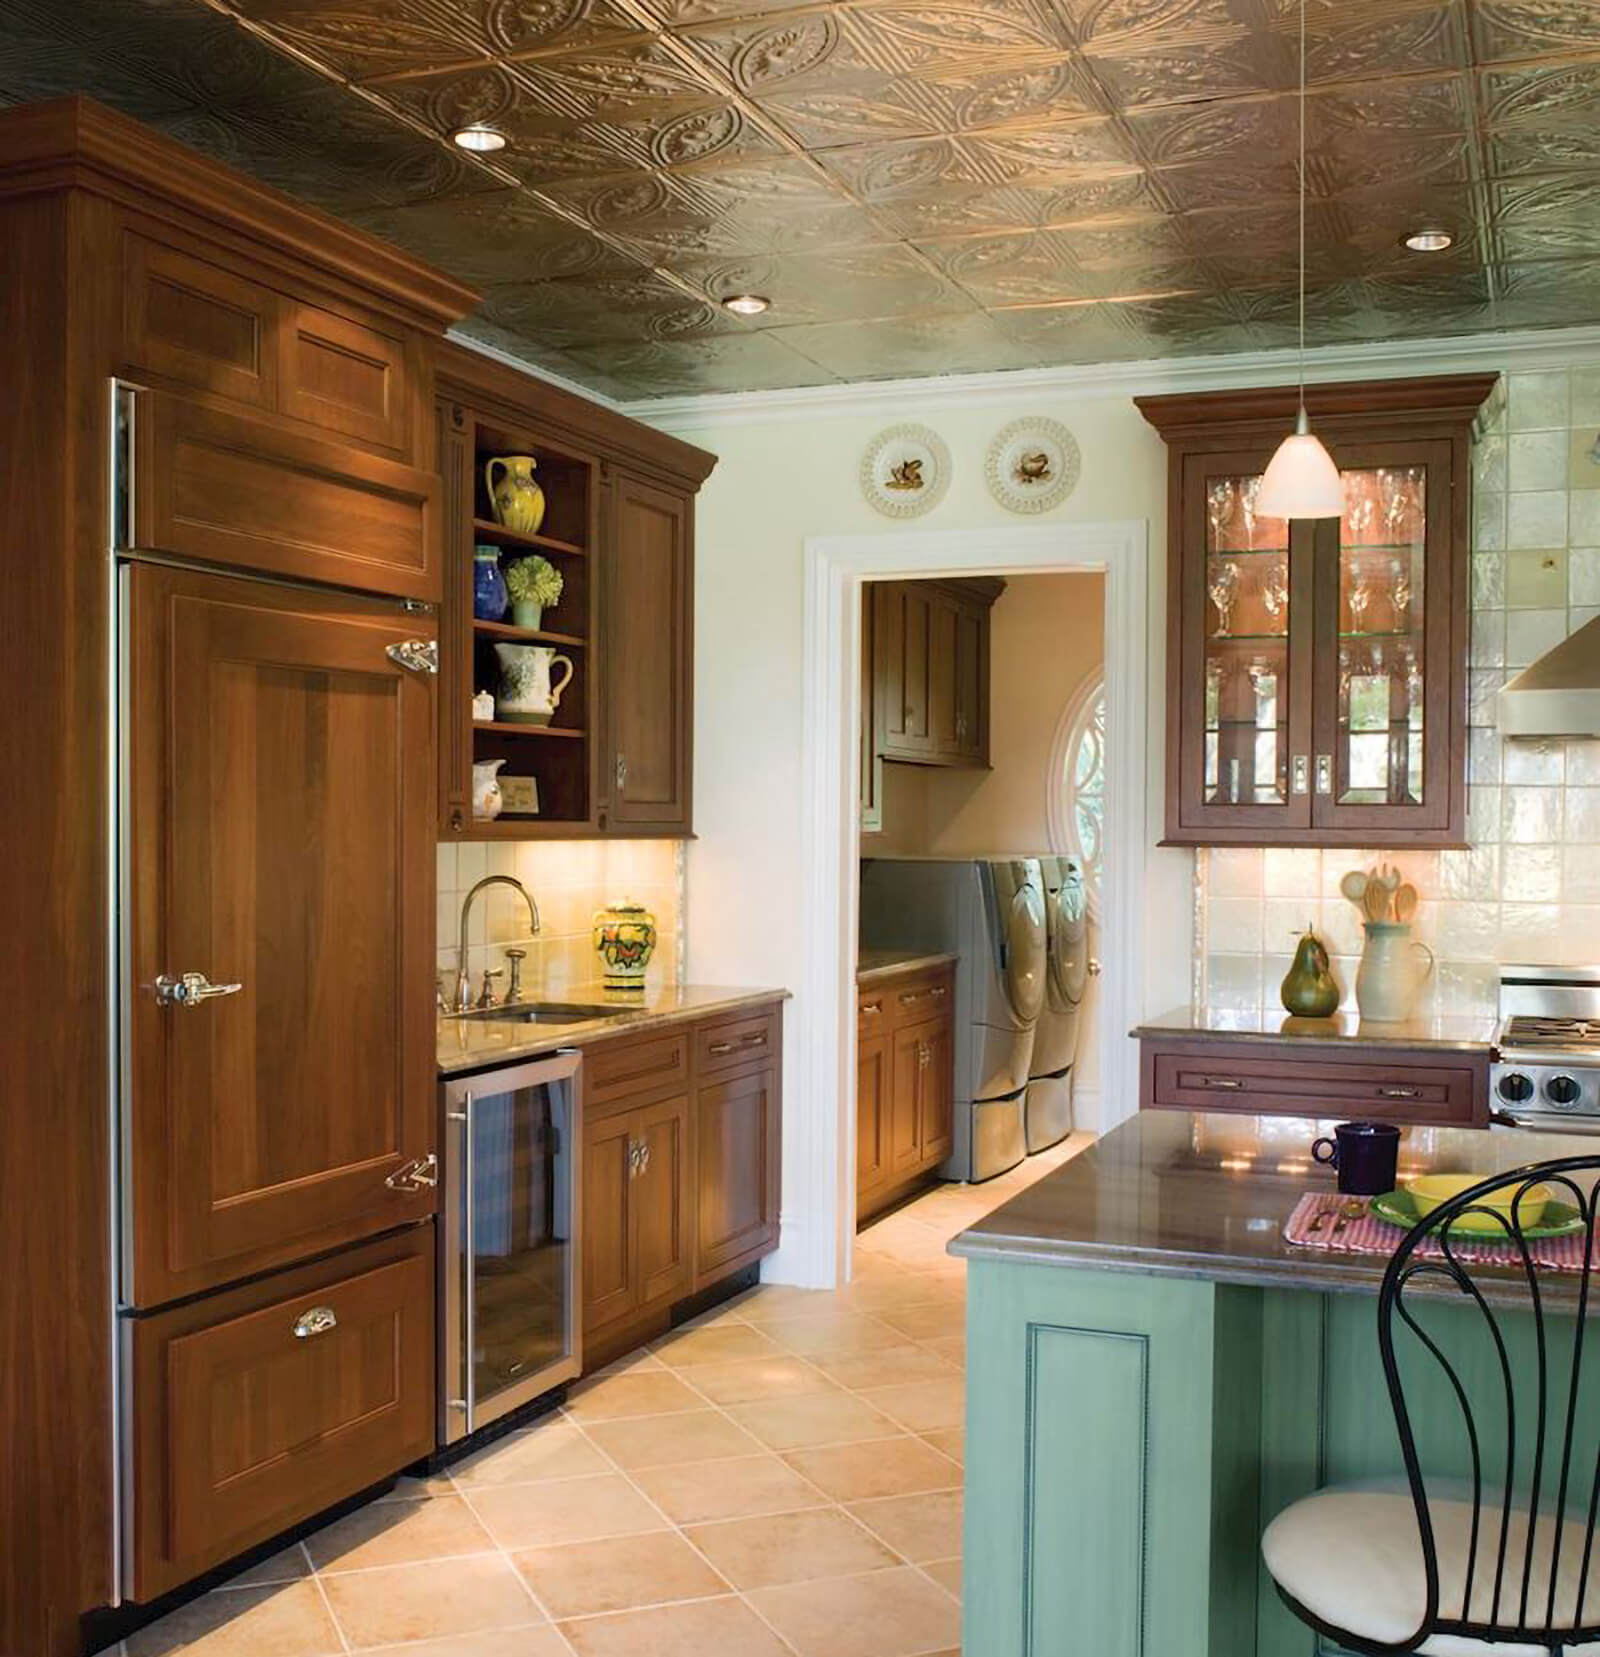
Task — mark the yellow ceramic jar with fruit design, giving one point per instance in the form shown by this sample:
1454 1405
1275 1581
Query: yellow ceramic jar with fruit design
625 939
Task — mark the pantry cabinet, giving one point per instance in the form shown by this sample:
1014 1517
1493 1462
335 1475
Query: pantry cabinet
929 642
1317 669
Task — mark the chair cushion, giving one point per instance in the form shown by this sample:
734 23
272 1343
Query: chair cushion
1352 1556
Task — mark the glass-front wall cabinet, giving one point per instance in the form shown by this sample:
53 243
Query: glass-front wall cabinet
1318 668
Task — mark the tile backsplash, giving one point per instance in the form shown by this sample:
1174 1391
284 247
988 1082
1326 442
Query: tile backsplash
569 880
1529 887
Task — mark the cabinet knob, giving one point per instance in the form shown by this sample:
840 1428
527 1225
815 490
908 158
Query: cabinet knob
457 821
1324 773
415 655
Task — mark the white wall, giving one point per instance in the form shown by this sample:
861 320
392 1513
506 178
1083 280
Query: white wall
777 483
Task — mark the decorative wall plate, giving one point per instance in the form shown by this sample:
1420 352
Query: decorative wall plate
905 471
1032 465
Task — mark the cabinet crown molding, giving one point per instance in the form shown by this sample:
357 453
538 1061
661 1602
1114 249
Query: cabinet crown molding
1437 398
77 143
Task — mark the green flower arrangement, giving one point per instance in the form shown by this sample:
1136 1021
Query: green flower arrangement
535 585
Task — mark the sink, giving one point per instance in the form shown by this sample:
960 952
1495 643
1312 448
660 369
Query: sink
541 1012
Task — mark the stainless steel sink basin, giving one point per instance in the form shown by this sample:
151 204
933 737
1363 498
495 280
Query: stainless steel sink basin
542 1012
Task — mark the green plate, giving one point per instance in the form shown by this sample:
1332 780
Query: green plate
1396 1208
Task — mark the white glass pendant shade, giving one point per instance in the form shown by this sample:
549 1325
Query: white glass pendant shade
1301 480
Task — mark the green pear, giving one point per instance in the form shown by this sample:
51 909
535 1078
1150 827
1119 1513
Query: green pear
1309 990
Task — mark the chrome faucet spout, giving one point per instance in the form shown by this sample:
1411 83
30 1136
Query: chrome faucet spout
463 995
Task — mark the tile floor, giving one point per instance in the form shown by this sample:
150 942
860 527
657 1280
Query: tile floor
781 1478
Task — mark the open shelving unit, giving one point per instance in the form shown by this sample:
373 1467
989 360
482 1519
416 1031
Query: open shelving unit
560 756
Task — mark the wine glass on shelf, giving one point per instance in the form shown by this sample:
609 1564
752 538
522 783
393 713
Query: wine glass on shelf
1360 512
1219 508
1400 594
1223 588
1247 503
1213 693
1396 487
1357 599
1275 593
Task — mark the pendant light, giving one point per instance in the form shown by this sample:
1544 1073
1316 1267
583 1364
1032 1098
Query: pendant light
1301 480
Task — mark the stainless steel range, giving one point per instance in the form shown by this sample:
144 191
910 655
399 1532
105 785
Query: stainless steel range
1547 1069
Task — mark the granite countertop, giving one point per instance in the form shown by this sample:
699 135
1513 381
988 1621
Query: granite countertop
1459 1034
471 1043
873 965
1206 1196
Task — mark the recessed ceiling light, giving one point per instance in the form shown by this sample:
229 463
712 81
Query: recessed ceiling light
479 139
1430 240
747 304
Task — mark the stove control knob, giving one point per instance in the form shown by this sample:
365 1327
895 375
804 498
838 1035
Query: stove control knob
1562 1092
1515 1088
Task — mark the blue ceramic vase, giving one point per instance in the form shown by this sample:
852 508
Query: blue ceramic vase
489 595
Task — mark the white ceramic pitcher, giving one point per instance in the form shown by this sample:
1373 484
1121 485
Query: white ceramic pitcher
527 695
1394 967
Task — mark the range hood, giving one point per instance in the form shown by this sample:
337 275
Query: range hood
1558 695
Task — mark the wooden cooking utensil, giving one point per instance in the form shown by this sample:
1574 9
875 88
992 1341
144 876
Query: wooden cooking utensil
1405 902
1354 886
1375 901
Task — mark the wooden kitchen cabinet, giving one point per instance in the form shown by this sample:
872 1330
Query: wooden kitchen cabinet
256 1408
929 645
646 763
1317 670
682 1153
281 839
905 1084
617 756
1429 1087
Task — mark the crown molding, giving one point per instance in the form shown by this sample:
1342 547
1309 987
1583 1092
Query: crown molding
534 371
886 399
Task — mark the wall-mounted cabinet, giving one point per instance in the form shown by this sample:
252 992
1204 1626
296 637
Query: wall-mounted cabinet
615 755
1317 670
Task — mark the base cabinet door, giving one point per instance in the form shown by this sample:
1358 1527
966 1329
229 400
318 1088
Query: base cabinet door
872 1114
281 841
736 1144
935 1102
664 1202
257 1407
610 1285
905 1126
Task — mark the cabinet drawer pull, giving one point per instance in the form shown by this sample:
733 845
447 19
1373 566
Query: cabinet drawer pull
909 998
1399 1092
415 655
720 1047
419 1174
756 1038
318 1321
1230 1084
868 1007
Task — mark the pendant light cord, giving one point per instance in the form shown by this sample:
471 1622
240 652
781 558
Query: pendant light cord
1302 182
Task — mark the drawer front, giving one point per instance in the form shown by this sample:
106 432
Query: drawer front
928 995
230 489
1407 1090
728 1043
256 1409
623 1070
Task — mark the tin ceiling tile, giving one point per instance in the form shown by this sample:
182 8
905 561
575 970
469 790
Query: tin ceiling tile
360 38
741 362
1520 29
880 350
591 310
874 282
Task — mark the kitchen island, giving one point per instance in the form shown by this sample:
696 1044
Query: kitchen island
1153 1373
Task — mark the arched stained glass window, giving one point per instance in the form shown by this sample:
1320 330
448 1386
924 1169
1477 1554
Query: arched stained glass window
1078 784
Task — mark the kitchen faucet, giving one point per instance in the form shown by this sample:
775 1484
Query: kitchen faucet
463 996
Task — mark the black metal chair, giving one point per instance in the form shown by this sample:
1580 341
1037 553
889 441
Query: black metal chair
1498 1559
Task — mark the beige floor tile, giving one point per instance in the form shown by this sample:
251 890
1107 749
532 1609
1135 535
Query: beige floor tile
630 1363
756 1378
395 1533
952 1348
921 1527
923 1406
812 1419
540 1641
947 1573
926 1323
587 1578
641 1392
565 1510
894 1288
889 1366
782 1300
425 1601
952 1441
702 1628
554 1449
660 1441
885 1467
882 1614
828 1334
285 1621
791 1547
287 1565
686 1349
705 1490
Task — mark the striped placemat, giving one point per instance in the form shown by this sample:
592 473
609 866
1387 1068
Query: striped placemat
1319 1222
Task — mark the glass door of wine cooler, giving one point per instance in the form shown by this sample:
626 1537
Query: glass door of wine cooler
509 1258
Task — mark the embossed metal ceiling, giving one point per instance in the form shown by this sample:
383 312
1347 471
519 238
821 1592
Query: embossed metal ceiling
920 186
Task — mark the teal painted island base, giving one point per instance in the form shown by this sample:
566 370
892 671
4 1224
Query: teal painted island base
1153 1374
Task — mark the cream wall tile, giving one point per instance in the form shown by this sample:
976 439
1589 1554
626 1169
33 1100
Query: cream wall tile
1538 401
1538 460
1583 576
1536 580
1583 763
1585 407
1532 762
1489 521
1529 633
1584 522
1290 872
1583 458
1537 518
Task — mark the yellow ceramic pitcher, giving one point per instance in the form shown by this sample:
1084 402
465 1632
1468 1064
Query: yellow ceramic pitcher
517 499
